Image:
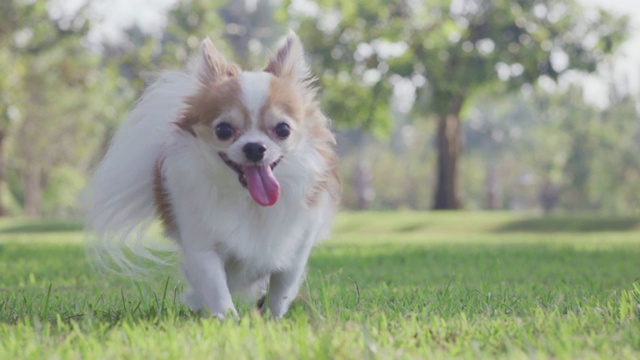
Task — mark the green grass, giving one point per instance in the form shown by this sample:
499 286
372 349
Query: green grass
388 285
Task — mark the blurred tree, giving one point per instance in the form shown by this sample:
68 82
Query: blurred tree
349 47
235 27
398 174
188 23
498 130
54 88
598 150
555 151
349 51
10 85
462 48
251 30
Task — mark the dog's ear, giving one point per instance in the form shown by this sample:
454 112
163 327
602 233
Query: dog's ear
215 66
289 61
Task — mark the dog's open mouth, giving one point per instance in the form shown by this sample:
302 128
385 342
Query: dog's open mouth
258 179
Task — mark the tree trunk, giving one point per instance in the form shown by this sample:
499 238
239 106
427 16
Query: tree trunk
493 187
363 176
363 186
449 144
32 191
3 165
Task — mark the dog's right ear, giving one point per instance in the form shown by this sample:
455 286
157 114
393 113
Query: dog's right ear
289 61
215 66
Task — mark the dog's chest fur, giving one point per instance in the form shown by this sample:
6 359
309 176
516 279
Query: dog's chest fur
265 240
254 239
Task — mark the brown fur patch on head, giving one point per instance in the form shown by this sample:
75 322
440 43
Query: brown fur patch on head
329 179
219 89
283 99
286 97
209 103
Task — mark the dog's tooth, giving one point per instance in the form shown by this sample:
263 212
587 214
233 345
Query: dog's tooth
273 165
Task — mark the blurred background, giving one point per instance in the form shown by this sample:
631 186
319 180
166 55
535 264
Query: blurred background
520 105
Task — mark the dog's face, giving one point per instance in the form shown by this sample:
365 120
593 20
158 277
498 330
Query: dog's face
252 120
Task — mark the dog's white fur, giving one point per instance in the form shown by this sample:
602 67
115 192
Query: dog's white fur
229 243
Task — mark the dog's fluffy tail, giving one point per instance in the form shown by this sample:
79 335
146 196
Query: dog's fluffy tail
119 199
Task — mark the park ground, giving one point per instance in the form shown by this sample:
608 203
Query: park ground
386 285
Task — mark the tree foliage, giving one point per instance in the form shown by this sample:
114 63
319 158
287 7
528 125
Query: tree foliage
380 63
463 49
54 96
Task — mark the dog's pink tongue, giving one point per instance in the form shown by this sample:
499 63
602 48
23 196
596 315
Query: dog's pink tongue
262 185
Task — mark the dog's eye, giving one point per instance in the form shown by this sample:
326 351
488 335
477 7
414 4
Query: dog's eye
282 130
224 131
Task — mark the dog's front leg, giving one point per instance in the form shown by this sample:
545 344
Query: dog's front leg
205 272
284 285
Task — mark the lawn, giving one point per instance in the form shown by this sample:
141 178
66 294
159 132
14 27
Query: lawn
387 285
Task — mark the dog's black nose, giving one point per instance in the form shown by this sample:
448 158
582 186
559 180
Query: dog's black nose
254 151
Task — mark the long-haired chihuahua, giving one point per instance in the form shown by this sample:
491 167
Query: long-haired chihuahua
240 168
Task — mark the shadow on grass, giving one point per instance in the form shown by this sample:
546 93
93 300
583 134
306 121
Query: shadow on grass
572 224
41 227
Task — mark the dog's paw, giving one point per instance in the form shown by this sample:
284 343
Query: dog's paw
260 304
230 314
192 300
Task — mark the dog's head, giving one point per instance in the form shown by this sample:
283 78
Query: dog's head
250 121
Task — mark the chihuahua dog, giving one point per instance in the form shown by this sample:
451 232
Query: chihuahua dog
240 168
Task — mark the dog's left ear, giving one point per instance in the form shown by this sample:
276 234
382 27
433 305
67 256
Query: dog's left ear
289 61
